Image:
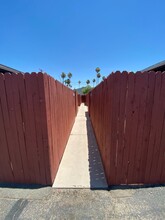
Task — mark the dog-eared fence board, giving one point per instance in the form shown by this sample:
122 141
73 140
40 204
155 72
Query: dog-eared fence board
162 149
32 132
38 123
48 117
108 118
152 134
121 121
31 106
114 121
18 97
54 129
6 171
141 85
11 131
43 124
25 126
129 162
147 124
38 130
156 129
104 120
127 111
160 166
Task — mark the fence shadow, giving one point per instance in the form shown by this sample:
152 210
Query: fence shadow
97 176
22 186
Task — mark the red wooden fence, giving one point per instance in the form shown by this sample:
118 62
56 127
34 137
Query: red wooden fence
127 111
36 117
79 100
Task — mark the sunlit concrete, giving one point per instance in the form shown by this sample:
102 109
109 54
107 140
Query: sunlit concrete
81 166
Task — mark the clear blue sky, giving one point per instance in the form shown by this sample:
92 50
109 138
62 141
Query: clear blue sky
78 35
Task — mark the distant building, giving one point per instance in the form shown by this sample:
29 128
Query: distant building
4 69
156 67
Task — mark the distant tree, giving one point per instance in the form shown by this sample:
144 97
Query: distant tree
93 82
98 73
63 75
87 89
79 82
98 76
88 82
69 79
67 82
69 75
97 69
103 78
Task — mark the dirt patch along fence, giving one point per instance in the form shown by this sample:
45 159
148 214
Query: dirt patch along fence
36 117
127 111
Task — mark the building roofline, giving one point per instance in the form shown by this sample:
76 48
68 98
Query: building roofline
4 68
156 67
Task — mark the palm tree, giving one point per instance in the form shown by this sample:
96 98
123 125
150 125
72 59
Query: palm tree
97 69
98 73
63 75
98 76
88 82
93 82
68 81
79 82
69 75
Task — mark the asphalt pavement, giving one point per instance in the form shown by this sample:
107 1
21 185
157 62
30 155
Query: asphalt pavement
70 204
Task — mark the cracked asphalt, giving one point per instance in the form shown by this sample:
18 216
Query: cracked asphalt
49 203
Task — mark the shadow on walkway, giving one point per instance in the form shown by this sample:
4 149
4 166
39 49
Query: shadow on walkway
96 171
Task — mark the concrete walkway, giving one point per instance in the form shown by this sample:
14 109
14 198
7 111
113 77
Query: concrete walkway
81 166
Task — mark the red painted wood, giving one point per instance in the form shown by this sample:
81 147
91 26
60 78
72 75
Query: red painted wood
44 130
128 141
60 111
160 109
134 126
121 124
11 130
48 116
104 118
38 131
30 176
36 117
54 126
32 132
129 127
147 125
127 113
4 156
161 160
114 131
61 131
6 171
153 131
108 127
18 98
142 82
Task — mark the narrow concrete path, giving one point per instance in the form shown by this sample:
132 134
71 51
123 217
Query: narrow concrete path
81 165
